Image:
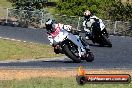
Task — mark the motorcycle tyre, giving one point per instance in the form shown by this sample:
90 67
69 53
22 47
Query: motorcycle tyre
68 53
107 41
90 57
56 51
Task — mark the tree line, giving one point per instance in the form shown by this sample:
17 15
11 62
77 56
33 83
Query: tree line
105 9
28 4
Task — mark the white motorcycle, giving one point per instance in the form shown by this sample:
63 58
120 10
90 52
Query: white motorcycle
71 45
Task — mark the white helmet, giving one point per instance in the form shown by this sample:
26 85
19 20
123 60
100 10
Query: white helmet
87 14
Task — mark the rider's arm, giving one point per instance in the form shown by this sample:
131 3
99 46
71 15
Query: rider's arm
96 19
67 27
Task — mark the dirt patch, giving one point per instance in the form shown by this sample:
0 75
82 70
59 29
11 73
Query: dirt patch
27 74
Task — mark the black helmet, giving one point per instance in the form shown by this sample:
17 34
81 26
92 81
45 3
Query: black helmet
50 25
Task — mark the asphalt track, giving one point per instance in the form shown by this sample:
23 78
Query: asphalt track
117 57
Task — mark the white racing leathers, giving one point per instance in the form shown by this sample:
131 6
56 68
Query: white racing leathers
62 34
69 44
88 23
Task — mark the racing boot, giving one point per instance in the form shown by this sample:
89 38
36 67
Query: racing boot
88 36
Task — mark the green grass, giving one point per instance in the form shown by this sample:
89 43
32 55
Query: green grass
20 50
50 82
53 0
5 4
51 10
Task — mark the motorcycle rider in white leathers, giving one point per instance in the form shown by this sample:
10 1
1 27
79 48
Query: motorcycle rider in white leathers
52 26
89 19
70 44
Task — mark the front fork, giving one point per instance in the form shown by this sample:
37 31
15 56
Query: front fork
85 44
105 32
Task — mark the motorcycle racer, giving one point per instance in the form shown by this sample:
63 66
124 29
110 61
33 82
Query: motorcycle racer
67 43
89 19
53 28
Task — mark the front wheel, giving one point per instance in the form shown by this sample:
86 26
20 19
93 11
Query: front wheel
104 41
107 41
71 54
89 57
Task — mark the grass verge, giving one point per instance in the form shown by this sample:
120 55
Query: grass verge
20 50
5 4
54 82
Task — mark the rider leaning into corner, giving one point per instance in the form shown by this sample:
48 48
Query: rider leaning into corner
89 19
70 44
52 28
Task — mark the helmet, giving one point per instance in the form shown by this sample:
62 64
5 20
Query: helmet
50 25
87 14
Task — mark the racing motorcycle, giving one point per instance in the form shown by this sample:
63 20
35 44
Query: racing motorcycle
98 33
72 45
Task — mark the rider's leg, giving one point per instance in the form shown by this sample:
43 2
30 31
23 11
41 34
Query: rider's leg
88 34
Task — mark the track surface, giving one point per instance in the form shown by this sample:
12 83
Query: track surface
117 57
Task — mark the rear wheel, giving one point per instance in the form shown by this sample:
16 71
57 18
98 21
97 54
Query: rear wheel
71 54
